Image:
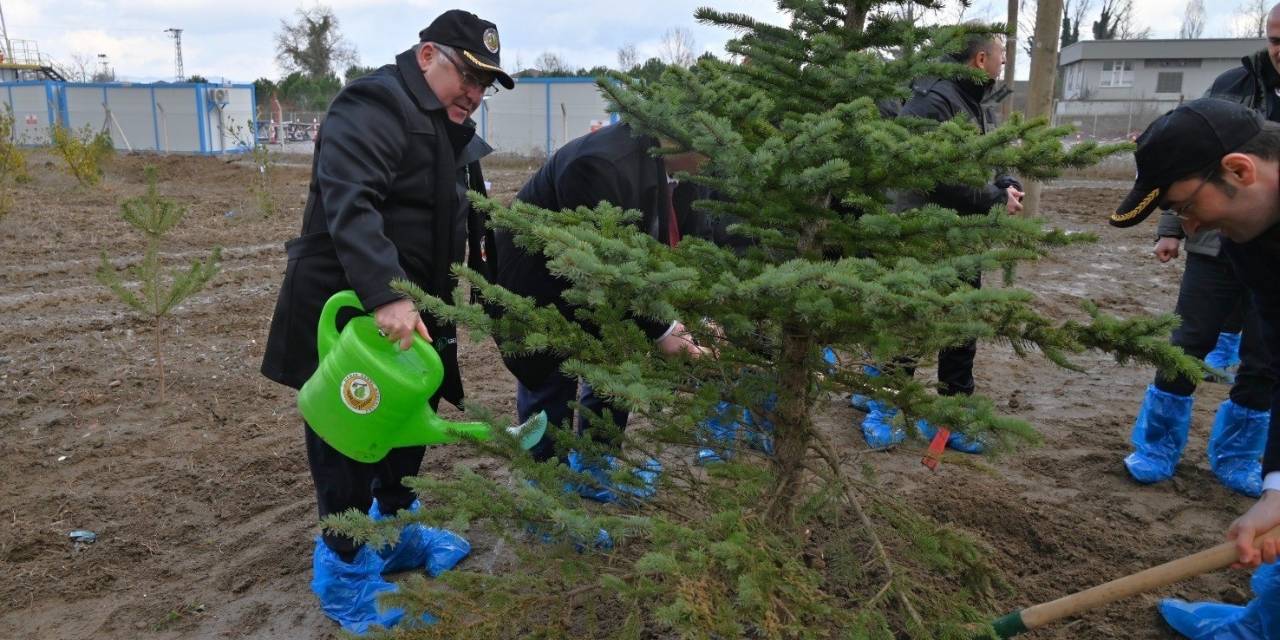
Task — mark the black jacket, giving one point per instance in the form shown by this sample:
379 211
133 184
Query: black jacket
942 99
1251 84
385 201
610 165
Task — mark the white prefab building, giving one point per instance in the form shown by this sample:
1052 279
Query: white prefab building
163 117
541 114
1128 83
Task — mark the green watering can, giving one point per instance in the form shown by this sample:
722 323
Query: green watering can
368 397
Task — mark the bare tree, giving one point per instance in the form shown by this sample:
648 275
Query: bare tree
1127 29
1251 19
1116 22
81 66
628 57
313 44
551 64
678 47
1192 20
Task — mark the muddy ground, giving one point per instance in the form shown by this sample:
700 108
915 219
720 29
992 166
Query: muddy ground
201 499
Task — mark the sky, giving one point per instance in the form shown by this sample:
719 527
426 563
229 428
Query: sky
234 39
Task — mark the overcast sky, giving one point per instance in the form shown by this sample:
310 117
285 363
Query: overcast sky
233 39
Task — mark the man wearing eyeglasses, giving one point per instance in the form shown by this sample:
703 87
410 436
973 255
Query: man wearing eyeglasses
393 160
1216 164
1218 325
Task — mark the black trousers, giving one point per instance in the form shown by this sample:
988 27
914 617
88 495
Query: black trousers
342 483
554 396
1209 294
955 364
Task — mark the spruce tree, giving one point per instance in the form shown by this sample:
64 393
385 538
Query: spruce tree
802 542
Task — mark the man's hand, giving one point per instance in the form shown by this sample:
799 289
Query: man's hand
680 341
1014 203
1167 248
399 320
1262 517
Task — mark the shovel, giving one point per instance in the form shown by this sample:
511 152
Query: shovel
1212 559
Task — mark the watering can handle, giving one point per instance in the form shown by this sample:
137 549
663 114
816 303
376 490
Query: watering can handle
327 335
327 332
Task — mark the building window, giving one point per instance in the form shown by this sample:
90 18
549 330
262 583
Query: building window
1169 82
1117 73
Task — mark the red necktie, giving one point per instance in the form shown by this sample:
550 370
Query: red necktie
673 226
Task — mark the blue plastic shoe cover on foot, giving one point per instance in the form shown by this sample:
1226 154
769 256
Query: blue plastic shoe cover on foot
420 546
859 401
348 592
958 441
1159 435
603 488
878 428
1258 620
1235 447
1226 353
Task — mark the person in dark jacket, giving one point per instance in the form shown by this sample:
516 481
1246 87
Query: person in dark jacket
943 99
610 165
1209 295
1216 165
393 160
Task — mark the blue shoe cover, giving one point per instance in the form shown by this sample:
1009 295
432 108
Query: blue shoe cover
1235 447
438 550
1258 620
858 401
1159 435
603 541
878 428
348 593
708 456
603 489
719 430
1226 353
829 357
958 441
759 430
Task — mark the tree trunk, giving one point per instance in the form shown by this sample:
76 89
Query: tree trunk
1010 57
792 424
1044 70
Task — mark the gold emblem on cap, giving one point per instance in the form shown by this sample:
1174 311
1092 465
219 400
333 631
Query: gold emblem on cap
1129 215
490 39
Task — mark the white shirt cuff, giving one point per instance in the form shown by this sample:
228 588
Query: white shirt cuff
670 328
1271 481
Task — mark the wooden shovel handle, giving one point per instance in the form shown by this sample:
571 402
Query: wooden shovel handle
1168 573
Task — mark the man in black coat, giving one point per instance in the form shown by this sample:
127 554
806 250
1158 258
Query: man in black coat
609 165
393 160
1214 307
943 99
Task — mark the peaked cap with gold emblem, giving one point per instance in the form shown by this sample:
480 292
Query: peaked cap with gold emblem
476 39
1180 144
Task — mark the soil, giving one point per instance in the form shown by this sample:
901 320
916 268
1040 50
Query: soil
201 500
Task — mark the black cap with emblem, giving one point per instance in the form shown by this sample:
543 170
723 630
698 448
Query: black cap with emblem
477 40
1180 144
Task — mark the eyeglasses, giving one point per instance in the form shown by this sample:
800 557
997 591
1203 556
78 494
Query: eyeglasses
469 79
1183 211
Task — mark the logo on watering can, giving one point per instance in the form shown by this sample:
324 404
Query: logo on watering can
359 393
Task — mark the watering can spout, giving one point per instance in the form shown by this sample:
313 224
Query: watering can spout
367 396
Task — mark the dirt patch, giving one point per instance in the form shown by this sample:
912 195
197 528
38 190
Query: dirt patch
203 506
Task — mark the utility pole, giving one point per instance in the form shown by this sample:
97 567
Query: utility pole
1044 70
1010 57
8 48
176 33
